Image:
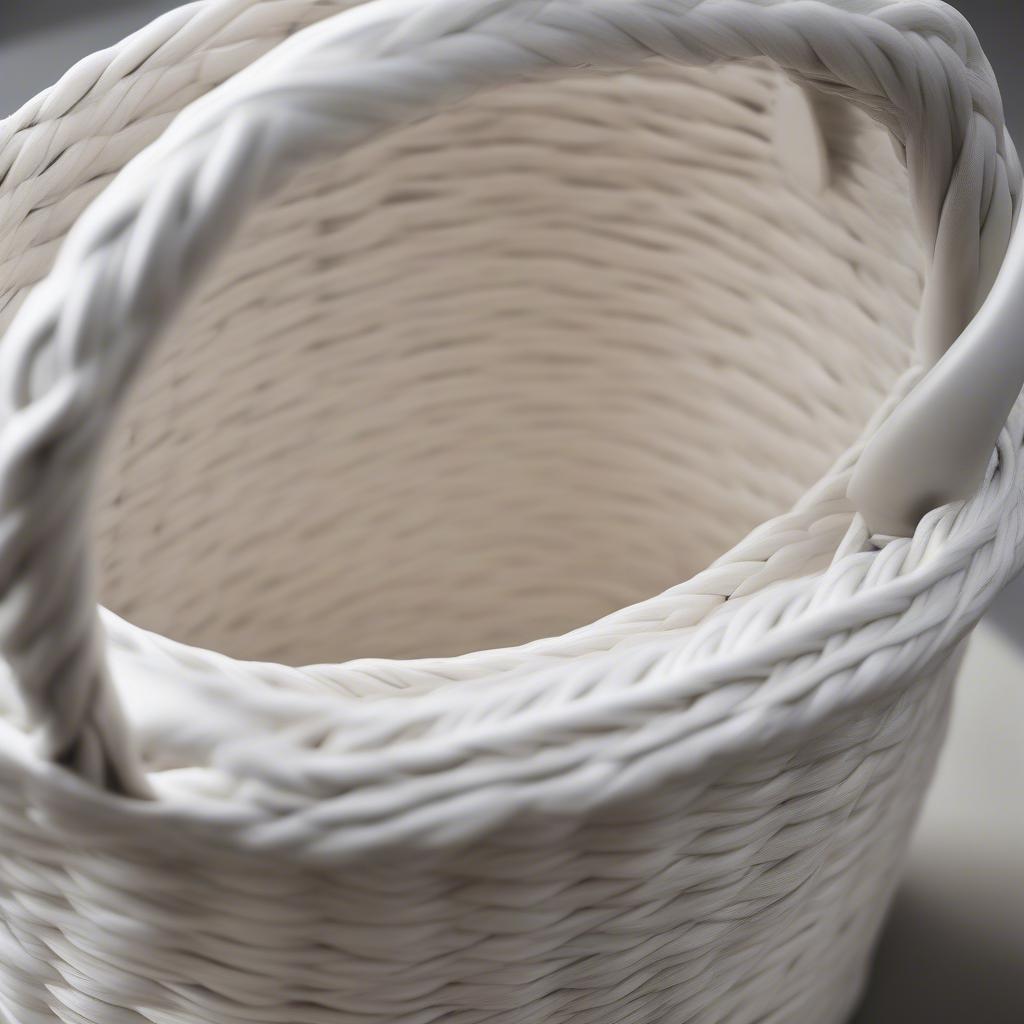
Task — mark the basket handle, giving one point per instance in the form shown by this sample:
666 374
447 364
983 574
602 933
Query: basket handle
78 340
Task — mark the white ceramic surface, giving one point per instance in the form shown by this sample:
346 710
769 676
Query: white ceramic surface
954 949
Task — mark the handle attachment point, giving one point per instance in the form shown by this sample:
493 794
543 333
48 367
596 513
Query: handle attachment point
937 445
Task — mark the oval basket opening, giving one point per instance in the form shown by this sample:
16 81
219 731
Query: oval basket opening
496 375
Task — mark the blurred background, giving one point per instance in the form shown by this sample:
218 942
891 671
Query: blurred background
953 952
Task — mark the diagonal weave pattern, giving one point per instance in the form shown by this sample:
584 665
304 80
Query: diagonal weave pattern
691 809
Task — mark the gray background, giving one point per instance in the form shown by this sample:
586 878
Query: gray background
953 951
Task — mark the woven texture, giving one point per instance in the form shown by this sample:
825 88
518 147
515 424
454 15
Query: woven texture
481 322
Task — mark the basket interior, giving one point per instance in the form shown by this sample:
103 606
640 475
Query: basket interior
500 373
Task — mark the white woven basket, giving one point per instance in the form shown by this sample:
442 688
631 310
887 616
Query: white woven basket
463 366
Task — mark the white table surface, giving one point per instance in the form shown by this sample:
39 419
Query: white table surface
953 951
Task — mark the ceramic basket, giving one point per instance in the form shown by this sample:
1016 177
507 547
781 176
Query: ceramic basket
482 320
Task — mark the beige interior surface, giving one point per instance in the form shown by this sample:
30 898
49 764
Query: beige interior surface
500 373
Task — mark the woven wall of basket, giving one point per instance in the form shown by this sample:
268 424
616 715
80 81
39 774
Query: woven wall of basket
512 373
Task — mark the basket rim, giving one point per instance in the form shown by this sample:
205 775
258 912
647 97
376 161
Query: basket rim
858 609
246 801
896 603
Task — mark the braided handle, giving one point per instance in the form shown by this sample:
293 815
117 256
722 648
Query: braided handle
124 269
